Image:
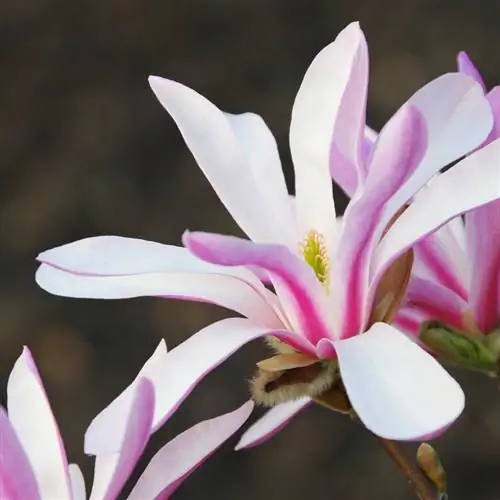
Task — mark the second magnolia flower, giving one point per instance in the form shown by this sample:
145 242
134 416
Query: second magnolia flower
337 283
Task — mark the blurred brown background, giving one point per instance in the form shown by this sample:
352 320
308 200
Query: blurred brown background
87 150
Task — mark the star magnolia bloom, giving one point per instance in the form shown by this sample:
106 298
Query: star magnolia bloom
327 276
456 277
33 464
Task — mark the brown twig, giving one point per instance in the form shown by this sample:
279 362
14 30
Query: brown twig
422 487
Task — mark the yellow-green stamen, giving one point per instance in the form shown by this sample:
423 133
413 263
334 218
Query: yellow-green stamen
313 249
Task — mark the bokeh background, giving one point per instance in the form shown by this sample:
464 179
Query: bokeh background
87 150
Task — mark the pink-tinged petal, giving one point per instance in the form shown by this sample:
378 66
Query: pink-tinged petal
34 424
174 376
271 423
17 481
409 320
185 453
347 165
469 184
315 111
458 119
437 255
436 301
77 482
223 290
369 140
466 66
216 146
483 250
398 390
302 295
493 97
398 151
112 471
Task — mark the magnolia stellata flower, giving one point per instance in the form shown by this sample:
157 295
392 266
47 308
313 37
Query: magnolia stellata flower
33 463
336 284
456 279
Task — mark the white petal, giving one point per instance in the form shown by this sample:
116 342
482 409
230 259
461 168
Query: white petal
77 482
221 156
271 423
174 376
398 390
181 456
470 183
32 419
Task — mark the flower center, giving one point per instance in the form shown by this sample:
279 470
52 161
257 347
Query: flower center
313 249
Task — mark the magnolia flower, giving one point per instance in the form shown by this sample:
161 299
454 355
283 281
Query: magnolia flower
336 284
456 277
33 463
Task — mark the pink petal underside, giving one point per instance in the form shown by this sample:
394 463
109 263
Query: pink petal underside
398 390
347 153
466 66
483 245
271 423
174 375
33 422
369 140
17 481
302 295
112 471
399 149
220 148
168 469
469 184
436 301
437 257
409 320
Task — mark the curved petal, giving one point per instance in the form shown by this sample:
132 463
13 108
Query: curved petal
471 183
398 151
302 295
466 66
112 471
77 483
369 140
397 389
17 480
168 469
271 423
409 320
493 97
222 157
315 111
174 376
223 290
483 250
34 424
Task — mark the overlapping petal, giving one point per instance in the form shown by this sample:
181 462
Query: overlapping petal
77 483
466 66
397 389
181 456
33 422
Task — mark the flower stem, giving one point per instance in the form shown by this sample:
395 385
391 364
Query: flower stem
422 487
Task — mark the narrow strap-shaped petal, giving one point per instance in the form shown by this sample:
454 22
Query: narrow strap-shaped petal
77 483
369 140
466 66
314 115
469 184
271 423
112 471
17 480
398 151
216 146
174 376
301 293
493 98
483 250
168 469
398 390
32 420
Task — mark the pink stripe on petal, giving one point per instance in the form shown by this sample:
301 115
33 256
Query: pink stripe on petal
112 471
483 243
291 276
400 147
17 480
179 458
466 66
273 421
